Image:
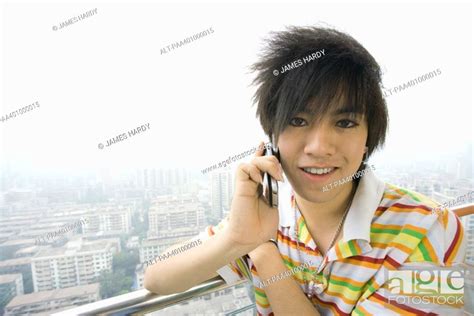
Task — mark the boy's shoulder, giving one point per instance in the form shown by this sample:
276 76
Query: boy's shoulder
415 221
407 202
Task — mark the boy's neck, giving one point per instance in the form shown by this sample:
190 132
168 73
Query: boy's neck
325 217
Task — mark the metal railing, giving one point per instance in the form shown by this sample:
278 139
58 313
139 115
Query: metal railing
464 210
143 301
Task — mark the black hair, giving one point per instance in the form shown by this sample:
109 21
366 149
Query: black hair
345 73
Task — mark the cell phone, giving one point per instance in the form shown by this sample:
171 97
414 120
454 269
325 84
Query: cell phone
270 185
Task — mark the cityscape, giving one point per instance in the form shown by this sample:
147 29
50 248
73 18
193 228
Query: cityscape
68 241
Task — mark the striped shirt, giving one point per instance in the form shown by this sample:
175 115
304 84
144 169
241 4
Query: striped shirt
387 230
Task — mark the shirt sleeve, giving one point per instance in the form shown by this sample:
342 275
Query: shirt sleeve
236 270
430 281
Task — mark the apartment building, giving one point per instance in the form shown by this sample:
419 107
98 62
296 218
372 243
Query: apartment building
11 285
78 262
221 193
108 217
19 266
175 216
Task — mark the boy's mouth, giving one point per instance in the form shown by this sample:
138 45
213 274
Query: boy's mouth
318 174
318 171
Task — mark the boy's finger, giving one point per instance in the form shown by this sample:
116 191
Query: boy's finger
260 150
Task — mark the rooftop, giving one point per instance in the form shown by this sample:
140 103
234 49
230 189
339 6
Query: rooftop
75 247
59 294
14 262
7 278
16 242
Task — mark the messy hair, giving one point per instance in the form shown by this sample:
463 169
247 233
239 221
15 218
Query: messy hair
346 73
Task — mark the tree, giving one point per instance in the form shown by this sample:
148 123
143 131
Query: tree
114 283
126 262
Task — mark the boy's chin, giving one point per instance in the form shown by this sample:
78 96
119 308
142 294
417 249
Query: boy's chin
317 196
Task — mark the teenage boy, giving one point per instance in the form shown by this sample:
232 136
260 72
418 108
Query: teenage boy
336 249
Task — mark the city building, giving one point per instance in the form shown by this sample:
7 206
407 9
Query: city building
175 216
151 248
76 263
154 179
19 266
108 217
139 277
51 301
468 222
221 193
133 242
11 285
10 247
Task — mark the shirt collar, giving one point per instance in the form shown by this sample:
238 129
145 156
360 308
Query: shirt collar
367 198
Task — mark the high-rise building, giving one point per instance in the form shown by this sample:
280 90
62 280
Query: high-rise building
139 180
78 262
161 178
154 179
108 218
468 223
138 280
175 216
221 193
153 183
145 178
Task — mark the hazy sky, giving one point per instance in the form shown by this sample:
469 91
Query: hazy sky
105 75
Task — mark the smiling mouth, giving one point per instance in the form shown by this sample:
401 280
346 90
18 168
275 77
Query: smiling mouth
318 171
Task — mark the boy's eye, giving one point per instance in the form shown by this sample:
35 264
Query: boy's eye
346 123
298 121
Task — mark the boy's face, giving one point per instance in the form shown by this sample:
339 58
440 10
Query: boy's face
316 153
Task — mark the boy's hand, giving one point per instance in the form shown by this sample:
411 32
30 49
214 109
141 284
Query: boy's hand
251 220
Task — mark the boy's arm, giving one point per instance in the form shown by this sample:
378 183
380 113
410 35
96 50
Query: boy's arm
251 222
195 265
285 296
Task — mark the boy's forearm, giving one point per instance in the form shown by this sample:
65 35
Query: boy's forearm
196 265
285 296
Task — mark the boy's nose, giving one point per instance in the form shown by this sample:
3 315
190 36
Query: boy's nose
319 142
